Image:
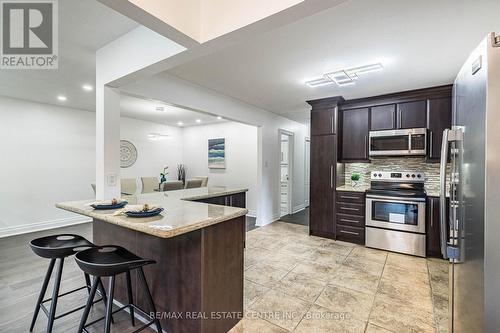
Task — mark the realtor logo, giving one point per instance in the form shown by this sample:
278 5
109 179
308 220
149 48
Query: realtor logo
29 34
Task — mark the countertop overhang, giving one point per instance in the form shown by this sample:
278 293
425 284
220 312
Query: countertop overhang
181 214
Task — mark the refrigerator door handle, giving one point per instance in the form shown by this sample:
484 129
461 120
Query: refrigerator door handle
442 194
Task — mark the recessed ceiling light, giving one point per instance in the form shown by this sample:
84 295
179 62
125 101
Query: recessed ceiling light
180 123
219 118
198 121
160 108
87 87
61 98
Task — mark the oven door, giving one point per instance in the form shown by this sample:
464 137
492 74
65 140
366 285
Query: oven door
396 213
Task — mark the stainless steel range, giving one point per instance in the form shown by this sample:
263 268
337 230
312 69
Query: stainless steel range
395 212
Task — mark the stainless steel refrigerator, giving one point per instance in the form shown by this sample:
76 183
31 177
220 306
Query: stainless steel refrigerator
470 235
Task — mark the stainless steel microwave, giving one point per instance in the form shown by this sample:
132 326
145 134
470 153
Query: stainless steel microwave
401 142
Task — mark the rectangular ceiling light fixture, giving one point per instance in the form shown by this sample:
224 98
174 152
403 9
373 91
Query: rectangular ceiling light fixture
345 77
318 82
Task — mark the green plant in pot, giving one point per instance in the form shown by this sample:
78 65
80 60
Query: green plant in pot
355 177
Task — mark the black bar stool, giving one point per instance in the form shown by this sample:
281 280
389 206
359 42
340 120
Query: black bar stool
111 260
58 247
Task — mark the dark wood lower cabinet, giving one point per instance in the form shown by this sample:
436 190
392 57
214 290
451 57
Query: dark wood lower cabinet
350 221
322 190
433 227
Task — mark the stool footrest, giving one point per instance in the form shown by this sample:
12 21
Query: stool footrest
135 307
44 309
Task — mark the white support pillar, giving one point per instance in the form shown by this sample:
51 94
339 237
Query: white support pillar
107 142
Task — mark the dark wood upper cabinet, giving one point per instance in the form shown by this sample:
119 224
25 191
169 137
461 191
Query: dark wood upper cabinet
383 117
412 114
439 118
323 122
324 115
354 131
322 182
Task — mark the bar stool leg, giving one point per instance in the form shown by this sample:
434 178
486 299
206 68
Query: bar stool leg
42 292
87 282
109 306
85 315
104 297
149 298
130 297
55 294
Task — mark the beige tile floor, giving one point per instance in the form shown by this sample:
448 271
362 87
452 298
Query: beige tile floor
299 283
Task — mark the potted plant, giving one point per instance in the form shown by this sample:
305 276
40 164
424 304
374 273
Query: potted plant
355 177
163 175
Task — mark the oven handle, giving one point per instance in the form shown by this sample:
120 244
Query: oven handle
395 199
442 194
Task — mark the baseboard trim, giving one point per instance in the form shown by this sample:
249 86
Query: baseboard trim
45 225
298 208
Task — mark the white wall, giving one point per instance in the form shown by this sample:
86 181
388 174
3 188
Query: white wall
152 156
48 156
170 89
241 156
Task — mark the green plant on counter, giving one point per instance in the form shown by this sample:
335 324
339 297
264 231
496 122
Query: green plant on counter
355 176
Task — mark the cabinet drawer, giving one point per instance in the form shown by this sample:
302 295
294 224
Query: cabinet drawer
351 197
351 234
351 220
350 209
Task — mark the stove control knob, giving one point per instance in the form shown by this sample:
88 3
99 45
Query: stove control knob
380 175
407 175
419 176
413 176
374 175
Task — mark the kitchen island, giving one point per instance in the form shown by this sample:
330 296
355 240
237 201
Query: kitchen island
197 243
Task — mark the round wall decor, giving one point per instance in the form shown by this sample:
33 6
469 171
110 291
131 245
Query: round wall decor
128 154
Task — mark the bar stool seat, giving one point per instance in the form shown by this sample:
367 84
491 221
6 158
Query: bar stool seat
57 248
111 260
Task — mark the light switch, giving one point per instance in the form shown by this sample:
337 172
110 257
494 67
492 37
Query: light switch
111 179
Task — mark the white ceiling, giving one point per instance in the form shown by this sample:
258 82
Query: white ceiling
84 27
420 43
145 109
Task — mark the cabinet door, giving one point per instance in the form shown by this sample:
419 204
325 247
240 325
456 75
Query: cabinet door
439 116
355 135
322 121
412 114
322 198
383 117
433 228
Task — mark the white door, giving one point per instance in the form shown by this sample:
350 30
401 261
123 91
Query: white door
286 158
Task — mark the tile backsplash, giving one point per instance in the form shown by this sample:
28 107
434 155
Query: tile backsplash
431 170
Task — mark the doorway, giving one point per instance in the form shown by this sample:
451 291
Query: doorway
307 164
286 158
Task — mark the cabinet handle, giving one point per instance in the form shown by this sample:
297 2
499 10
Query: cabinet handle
394 118
366 146
430 144
399 118
331 176
349 232
348 208
348 197
332 125
432 213
352 221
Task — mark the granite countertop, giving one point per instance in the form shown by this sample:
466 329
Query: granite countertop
350 188
181 215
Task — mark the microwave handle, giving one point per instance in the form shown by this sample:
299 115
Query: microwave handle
442 193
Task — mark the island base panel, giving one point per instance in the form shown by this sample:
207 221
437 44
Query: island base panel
197 281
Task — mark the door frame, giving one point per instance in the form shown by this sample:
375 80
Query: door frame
290 169
307 177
